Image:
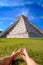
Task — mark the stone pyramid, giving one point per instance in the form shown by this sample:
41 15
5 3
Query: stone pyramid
22 28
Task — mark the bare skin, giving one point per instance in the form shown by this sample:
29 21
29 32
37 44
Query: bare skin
26 57
22 52
8 59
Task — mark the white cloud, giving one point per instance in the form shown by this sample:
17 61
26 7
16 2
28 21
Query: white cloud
19 2
31 17
25 12
41 17
29 3
26 3
3 4
42 5
1 22
15 3
1 29
11 23
6 18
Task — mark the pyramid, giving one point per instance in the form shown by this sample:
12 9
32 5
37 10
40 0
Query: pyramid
22 28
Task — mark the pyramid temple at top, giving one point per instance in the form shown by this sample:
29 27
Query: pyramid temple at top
22 28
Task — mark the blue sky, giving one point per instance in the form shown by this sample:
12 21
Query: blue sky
10 9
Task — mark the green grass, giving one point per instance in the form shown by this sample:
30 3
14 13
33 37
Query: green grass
34 48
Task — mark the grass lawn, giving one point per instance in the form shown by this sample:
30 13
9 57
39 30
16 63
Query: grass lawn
34 47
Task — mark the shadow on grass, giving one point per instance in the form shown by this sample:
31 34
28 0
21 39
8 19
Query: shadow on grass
2 41
17 62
